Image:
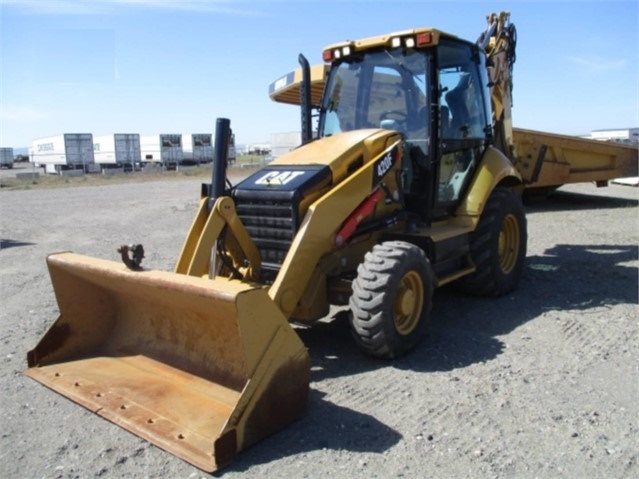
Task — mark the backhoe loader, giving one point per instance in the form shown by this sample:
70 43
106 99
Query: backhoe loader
405 185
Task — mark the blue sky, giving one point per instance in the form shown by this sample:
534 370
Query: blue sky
163 66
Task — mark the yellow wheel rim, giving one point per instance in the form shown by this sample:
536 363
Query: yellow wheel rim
409 303
509 244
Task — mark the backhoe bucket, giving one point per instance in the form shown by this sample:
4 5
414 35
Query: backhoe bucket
201 368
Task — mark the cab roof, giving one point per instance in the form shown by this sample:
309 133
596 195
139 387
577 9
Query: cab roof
423 37
286 89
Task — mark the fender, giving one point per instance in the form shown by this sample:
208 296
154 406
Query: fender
494 168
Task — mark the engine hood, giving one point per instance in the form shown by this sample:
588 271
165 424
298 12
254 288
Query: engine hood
342 153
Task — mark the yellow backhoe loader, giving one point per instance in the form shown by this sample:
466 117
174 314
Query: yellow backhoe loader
406 185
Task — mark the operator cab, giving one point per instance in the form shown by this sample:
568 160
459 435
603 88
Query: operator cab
435 94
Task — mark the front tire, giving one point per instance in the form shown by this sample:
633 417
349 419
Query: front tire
497 246
391 300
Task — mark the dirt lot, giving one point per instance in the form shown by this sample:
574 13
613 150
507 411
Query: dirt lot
541 383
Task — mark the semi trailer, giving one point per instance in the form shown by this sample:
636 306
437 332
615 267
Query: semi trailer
164 150
119 150
69 151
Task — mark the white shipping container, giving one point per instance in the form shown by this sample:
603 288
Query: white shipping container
165 149
197 147
120 150
63 152
6 157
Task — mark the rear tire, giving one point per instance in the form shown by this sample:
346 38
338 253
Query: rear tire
497 246
391 300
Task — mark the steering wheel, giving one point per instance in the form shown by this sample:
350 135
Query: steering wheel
399 116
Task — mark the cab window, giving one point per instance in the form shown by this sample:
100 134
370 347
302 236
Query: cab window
463 119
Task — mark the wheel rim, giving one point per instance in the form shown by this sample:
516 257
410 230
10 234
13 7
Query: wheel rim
409 303
508 244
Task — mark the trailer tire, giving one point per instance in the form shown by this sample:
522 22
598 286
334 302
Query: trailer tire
391 300
497 246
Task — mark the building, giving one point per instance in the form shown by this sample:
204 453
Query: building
620 135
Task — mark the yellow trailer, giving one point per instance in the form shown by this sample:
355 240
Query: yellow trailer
549 160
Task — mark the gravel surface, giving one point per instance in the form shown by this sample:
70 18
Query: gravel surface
540 383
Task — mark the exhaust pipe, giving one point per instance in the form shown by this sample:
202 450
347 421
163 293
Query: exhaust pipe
305 100
220 157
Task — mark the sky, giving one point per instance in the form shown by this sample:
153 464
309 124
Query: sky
165 66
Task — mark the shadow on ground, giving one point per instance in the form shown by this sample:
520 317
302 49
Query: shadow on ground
464 330
325 426
8 243
567 201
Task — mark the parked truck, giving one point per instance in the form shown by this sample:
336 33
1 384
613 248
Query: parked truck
164 150
69 151
6 157
119 150
197 147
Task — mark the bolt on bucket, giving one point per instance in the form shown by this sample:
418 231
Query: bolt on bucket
201 368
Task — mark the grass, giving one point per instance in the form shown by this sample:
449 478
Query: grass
244 164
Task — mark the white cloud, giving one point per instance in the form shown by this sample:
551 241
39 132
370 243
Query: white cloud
57 7
213 6
23 114
599 64
101 7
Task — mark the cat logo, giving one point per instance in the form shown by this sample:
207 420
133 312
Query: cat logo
278 178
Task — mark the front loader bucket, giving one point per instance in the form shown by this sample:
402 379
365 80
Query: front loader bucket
201 368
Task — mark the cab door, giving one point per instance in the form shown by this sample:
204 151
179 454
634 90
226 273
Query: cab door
464 122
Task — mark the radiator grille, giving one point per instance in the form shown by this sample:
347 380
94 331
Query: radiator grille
272 226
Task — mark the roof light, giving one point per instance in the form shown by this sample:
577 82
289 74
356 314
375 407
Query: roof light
346 51
396 42
424 38
327 56
337 54
410 42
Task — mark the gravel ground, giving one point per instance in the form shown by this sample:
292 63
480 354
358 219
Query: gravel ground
541 383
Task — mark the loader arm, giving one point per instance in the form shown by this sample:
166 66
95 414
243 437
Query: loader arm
321 223
198 253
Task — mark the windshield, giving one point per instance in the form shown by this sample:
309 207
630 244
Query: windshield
378 89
